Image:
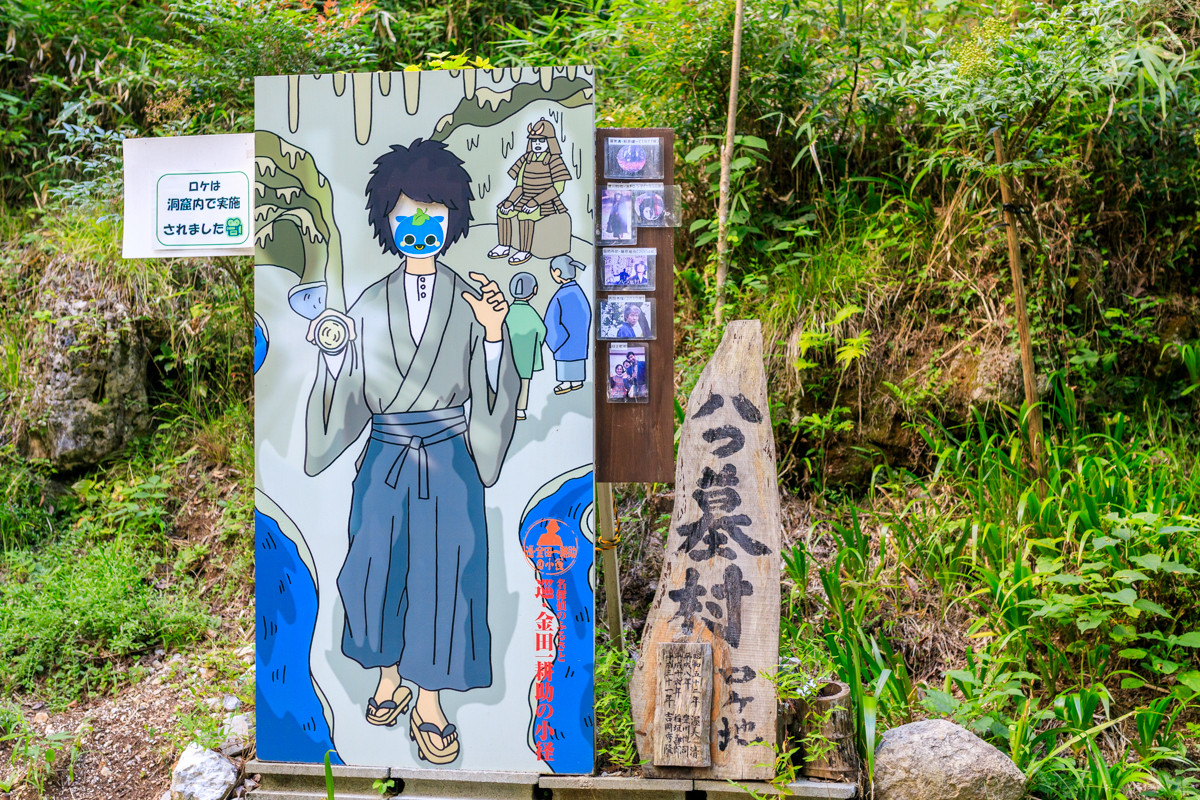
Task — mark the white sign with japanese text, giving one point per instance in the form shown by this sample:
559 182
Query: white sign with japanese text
188 195
203 209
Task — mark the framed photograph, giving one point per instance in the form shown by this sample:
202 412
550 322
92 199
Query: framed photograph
628 268
626 316
617 225
638 159
628 368
656 205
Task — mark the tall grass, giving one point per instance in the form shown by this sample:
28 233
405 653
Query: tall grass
1083 601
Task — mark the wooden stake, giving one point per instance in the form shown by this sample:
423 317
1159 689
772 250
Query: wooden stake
735 69
607 520
1036 443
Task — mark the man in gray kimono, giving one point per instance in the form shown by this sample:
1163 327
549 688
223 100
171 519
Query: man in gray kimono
429 369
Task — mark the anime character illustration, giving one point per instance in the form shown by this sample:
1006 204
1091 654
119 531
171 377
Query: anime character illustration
535 203
568 325
400 623
423 343
635 324
527 332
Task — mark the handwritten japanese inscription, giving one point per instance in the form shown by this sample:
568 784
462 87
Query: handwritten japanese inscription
682 717
720 579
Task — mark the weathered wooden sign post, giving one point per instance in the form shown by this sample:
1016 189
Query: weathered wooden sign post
718 598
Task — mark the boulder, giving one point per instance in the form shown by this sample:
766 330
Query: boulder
938 760
202 774
88 376
237 731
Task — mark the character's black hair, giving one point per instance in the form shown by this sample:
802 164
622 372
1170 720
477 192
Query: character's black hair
427 172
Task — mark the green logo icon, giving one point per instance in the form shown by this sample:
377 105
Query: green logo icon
233 226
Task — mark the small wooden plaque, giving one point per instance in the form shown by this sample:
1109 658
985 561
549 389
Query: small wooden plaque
682 714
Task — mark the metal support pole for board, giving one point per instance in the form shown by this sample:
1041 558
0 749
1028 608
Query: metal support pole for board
607 539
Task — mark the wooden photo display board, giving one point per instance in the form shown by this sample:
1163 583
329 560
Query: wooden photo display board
720 577
634 441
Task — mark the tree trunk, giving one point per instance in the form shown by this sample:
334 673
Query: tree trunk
726 162
1036 443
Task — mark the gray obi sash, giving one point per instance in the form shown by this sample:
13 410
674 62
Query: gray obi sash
413 431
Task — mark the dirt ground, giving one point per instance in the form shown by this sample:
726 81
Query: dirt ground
126 744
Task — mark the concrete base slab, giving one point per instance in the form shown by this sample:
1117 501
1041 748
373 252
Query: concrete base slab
309 794
589 787
720 790
288 768
284 781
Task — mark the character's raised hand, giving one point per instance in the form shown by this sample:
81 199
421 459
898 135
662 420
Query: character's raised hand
490 309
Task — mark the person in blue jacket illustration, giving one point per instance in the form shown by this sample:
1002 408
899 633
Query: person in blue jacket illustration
568 325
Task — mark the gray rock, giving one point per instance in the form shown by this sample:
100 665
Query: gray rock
230 703
938 760
202 774
238 732
89 395
237 726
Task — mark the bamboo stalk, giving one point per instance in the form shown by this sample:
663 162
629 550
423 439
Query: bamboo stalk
1036 442
606 517
735 69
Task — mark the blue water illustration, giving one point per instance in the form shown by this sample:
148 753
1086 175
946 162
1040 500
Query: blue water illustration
572 681
261 342
291 722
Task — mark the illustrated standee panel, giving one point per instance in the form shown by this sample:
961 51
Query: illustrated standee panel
425 378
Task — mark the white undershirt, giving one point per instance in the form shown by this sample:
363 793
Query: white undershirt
418 299
418 296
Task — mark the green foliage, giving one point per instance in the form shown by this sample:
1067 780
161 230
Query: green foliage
27 515
38 759
66 63
863 235
69 613
1051 56
615 743
73 609
223 44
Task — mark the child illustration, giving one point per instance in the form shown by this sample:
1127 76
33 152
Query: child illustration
422 342
527 332
568 325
